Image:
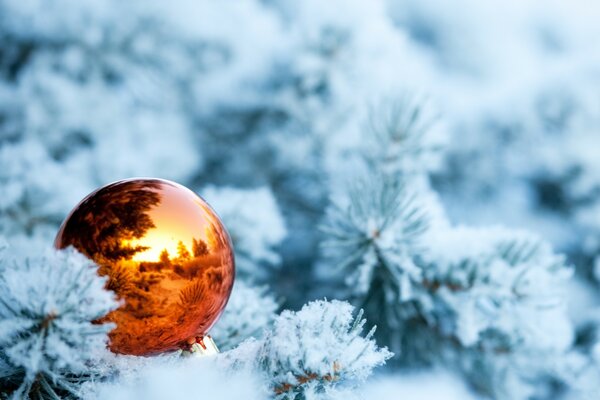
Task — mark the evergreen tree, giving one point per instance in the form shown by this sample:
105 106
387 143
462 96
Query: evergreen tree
182 252
165 259
199 248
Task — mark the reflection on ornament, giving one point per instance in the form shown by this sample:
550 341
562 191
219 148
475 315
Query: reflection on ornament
166 254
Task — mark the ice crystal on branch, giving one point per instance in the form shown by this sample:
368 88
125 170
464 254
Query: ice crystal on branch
47 338
313 351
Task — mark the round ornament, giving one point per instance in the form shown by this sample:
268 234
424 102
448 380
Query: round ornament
166 255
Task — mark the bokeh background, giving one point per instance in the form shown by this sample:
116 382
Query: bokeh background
265 106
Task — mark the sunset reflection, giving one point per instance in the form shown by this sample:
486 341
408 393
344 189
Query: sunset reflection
165 253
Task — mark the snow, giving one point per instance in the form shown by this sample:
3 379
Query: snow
186 380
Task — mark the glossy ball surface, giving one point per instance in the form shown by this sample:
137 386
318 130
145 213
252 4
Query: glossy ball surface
166 254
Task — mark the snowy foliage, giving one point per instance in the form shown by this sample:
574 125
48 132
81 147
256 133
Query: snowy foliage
373 238
50 144
403 135
509 283
255 226
249 310
47 337
581 372
445 117
512 327
474 299
313 351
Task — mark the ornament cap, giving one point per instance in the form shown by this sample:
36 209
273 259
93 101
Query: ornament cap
201 346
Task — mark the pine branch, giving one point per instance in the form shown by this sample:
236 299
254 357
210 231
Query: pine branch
398 133
316 349
47 338
375 236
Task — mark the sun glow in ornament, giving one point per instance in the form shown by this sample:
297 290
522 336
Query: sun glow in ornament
166 255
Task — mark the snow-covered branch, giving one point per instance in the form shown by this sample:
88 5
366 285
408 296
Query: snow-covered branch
48 337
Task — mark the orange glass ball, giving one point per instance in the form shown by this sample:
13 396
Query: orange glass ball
166 254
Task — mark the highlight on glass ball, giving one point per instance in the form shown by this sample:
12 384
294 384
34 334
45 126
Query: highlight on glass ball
166 255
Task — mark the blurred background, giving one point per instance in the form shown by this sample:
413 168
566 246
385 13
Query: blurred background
264 106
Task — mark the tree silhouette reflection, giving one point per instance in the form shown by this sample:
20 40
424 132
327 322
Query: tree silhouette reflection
102 226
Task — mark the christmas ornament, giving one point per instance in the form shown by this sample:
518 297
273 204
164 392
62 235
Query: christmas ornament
167 256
